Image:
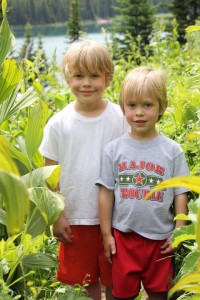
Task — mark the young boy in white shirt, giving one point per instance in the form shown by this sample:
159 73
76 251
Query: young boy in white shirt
140 249
75 138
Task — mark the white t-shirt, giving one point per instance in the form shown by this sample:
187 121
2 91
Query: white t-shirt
76 143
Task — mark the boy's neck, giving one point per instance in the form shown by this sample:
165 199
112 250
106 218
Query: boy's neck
90 110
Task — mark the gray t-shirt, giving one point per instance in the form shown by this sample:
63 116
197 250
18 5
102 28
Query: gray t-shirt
131 168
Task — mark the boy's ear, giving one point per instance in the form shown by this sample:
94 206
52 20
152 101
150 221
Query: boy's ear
107 83
166 104
67 82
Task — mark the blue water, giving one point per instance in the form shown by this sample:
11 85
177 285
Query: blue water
54 39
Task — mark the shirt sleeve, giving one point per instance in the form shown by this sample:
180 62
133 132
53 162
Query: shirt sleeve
180 169
106 177
49 145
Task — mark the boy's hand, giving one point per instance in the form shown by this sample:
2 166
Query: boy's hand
62 230
109 248
166 248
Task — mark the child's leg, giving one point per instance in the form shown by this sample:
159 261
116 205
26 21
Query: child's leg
157 296
114 298
94 291
105 269
108 293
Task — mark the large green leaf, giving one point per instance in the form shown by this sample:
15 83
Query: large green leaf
39 261
188 283
7 39
183 234
10 107
6 162
37 222
193 83
15 153
49 203
34 130
2 217
9 78
40 175
16 198
190 262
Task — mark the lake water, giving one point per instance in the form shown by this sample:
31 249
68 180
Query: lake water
54 38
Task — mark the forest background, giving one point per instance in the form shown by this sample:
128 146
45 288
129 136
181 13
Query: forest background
49 11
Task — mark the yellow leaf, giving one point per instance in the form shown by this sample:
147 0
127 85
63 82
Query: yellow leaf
189 283
193 134
6 162
198 229
190 182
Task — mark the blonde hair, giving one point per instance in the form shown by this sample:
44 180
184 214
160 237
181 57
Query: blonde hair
87 56
144 80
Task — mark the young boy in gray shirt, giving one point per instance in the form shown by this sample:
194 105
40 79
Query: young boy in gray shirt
132 165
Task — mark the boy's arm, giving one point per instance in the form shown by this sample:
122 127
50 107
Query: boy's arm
106 201
180 204
61 228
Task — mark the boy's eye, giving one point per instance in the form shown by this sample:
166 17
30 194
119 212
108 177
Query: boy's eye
95 75
131 105
78 75
148 104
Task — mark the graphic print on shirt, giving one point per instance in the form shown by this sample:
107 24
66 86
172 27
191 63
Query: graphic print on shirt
139 175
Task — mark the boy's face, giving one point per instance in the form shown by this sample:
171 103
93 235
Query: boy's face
87 87
142 115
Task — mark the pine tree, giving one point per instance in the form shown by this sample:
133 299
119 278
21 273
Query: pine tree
73 25
134 17
180 10
194 10
27 47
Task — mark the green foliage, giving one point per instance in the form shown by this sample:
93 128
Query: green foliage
73 25
134 18
186 13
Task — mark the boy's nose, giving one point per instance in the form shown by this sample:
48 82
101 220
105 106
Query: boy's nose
86 81
139 111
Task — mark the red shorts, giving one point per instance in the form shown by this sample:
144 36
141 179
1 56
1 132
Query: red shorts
137 260
85 256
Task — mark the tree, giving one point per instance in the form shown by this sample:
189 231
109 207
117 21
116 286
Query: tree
194 10
73 25
180 10
27 47
186 13
135 17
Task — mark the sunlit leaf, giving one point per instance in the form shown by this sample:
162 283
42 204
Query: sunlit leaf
7 39
6 162
51 203
34 130
9 78
16 198
193 83
192 28
13 152
190 262
182 217
2 217
193 134
39 261
182 234
188 283
198 229
190 182
10 107
40 175
54 177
